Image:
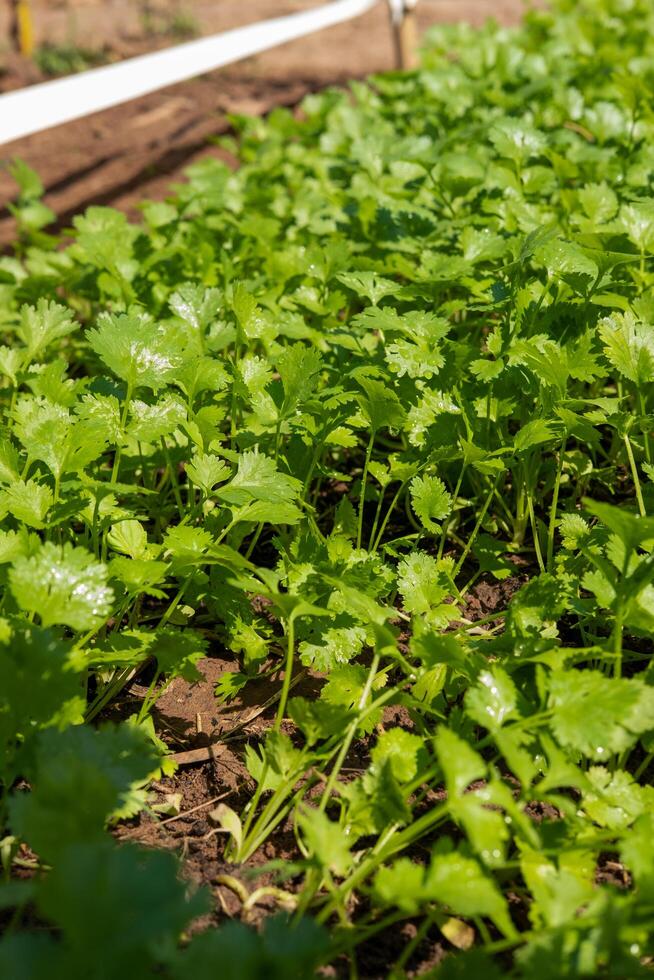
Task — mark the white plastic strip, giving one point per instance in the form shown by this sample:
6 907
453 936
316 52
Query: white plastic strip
39 107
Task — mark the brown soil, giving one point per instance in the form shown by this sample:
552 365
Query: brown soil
122 155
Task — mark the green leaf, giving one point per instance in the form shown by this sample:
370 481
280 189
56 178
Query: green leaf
459 883
28 501
424 583
298 368
80 777
569 262
327 845
248 313
401 884
39 689
63 585
264 512
177 653
318 720
129 538
136 349
629 346
42 324
614 799
533 433
574 531
637 220
637 851
460 763
48 432
368 284
431 501
149 423
598 715
257 478
330 645
187 545
559 891
206 471
599 201
195 305
140 575
516 140
381 405
413 360
493 699
126 903
402 750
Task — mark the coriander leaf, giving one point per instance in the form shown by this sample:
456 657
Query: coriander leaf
42 324
629 346
493 699
460 763
257 478
459 883
64 585
402 750
80 777
431 501
598 715
136 349
381 405
424 583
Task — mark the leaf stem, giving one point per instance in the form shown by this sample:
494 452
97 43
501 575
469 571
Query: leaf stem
536 535
387 517
634 475
351 732
448 519
288 672
364 480
475 532
553 508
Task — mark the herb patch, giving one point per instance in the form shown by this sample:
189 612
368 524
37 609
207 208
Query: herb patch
362 433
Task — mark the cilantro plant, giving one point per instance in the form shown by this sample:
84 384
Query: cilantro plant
373 409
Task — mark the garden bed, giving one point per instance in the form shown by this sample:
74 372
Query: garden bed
327 552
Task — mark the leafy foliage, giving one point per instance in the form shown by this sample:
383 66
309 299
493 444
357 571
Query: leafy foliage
372 412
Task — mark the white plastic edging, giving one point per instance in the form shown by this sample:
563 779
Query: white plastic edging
52 103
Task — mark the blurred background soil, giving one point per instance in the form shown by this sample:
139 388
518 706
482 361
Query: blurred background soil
121 155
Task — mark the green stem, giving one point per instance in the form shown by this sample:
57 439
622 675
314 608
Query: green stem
617 639
288 672
643 766
634 475
390 510
273 814
643 411
388 845
147 700
174 604
253 542
351 732
553 509
115 685
378 509
475 532
288 669
123 422
536 535
364 480
173 477
448 519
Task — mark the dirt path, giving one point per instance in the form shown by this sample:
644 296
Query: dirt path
119 156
